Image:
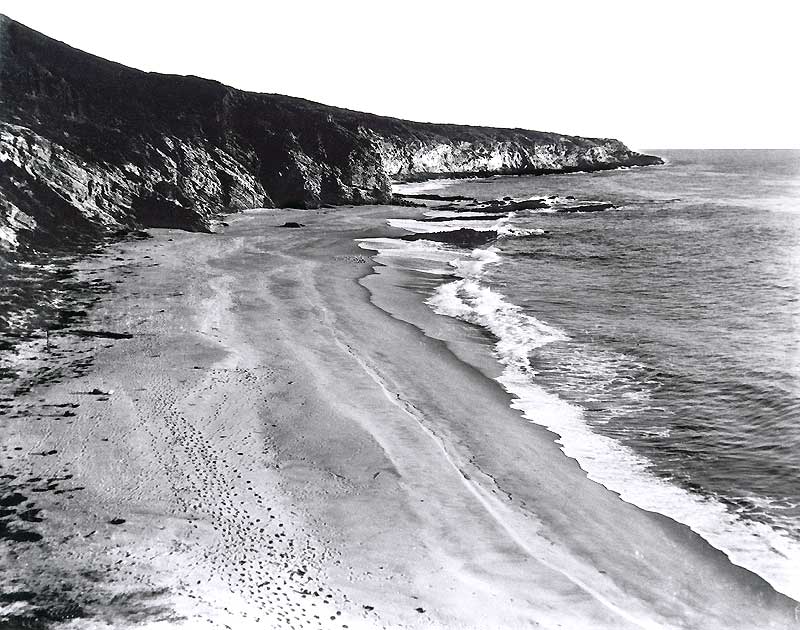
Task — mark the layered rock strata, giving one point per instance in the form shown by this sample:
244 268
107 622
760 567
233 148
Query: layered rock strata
88 146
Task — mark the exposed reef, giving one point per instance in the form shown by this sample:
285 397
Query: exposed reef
89 146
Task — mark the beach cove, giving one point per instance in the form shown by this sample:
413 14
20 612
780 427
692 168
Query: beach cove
275 446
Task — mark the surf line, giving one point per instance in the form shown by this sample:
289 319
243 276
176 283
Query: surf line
474 489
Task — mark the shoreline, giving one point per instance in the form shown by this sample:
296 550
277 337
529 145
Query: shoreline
263 380
418 270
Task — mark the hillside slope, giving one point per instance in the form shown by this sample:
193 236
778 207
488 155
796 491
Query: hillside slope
88 146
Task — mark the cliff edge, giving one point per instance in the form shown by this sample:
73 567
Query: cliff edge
89 146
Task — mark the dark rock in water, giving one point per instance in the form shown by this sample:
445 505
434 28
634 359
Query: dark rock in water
498 205
438 197
398 200
487 209
588 207
116 521
292 224
463 237
528 204
91 147
484 217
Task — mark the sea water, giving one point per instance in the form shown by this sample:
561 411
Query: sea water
658 339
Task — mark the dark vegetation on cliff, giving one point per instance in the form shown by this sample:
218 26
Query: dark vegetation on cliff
88 146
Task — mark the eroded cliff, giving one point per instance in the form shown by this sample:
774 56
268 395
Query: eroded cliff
89 146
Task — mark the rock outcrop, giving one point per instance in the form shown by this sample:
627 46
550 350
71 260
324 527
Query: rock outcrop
88 146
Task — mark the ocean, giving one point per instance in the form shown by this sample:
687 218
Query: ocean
658 339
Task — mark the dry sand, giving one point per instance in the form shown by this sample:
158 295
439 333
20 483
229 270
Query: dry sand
272 450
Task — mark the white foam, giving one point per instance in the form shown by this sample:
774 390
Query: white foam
429 227
421 256
518 334
771 553
428 256
473 265
503 225
412 188
513 231
754 545
395 248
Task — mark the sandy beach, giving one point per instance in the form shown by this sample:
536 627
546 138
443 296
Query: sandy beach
275 446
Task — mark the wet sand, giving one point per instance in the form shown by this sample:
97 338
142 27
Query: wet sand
272 448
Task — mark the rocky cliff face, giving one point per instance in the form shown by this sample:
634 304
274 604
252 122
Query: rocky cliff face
88 146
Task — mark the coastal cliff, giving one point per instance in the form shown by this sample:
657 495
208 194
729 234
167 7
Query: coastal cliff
88 147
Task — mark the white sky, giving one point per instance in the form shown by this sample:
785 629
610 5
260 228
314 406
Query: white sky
672 74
